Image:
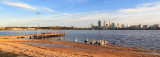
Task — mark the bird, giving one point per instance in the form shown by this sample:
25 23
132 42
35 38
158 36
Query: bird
102 42
106 42
86 40
60 38
75 40
92 42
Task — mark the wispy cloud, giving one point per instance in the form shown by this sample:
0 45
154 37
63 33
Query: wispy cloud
146 7
141 14
48 9
147 13
77 1
86 13
18 4
68 14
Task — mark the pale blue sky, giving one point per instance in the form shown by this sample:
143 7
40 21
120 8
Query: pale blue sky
78 13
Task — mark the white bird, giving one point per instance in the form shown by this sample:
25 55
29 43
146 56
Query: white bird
75 40
102 42
106 42
86 40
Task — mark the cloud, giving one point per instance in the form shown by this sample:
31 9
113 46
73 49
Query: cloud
48 9
18 4
146 7
147 13
77 1
68 14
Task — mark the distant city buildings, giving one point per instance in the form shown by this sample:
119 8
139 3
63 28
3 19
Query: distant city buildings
145 27
113 26
99 24
123 26
118 25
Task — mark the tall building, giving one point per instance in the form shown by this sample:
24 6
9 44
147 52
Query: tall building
112 25
99 23
140 26
118 25
153 27
156 26
92 25
128 26
104 24
145 26
109 24
123 26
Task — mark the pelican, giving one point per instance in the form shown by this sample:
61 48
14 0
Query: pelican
99 42
102 42
106 42
92 42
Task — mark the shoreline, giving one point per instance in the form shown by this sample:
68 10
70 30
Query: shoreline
86 49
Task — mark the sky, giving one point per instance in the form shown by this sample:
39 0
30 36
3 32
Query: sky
78 13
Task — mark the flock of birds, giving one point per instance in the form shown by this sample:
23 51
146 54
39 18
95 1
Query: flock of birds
99 42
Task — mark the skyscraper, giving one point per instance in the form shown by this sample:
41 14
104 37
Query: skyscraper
123 26
145 26
128 26
92 25
109 24
140 26
156 26
118 25
113 25
104 24
99 24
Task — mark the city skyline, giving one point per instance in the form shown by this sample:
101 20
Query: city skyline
102 25
78 13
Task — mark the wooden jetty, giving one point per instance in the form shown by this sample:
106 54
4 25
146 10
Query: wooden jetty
42 35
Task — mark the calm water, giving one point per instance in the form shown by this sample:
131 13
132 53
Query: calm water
143 39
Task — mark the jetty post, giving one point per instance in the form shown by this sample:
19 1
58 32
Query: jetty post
38 23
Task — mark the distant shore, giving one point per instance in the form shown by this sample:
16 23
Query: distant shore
69 28
78 49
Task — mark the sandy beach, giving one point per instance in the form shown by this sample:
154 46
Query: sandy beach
19 46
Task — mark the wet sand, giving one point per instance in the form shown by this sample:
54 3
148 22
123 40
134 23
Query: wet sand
19 46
